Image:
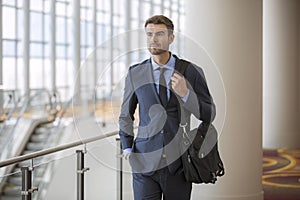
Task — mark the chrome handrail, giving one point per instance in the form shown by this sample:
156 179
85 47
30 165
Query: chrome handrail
29 98
55 149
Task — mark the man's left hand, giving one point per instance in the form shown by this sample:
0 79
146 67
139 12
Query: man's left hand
178 84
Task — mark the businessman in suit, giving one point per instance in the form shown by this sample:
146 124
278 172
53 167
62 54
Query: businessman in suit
159 91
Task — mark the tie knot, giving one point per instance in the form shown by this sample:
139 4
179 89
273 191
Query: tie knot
162 70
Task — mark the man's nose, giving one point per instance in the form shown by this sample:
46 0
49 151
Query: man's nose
154 38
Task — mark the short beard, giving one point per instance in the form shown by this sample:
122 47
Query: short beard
156 51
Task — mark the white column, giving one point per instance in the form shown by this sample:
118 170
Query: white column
231 32
128 28
281 74
111 45
53 46
76 45
26 45
1 67
94 54
1 61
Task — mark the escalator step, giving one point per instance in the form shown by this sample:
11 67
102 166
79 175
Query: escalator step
12 191
39 137
48 125
42 130
16 181
34 146
17 197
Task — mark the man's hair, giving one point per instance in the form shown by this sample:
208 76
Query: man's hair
161 19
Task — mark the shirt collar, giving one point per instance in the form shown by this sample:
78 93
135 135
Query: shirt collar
169 65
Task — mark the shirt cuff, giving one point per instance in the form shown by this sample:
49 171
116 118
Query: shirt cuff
185 98
127 151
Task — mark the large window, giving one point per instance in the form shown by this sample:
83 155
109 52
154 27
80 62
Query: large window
11 44
50 43
64 75
39 38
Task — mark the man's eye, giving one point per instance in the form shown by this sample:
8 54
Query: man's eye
149 34
160 34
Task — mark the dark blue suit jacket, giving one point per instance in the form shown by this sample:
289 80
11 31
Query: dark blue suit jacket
158 125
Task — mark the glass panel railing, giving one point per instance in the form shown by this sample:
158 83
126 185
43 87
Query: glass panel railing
42 172
55 175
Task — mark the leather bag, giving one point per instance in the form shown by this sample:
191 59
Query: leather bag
199 149
200 156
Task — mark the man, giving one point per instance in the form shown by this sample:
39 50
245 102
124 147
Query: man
159 90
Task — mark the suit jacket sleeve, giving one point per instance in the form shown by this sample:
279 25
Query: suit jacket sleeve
199 102
126 117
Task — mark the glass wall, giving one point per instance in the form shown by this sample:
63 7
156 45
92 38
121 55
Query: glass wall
38 41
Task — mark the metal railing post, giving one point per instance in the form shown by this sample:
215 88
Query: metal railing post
119 170
26 183
80 174
27 189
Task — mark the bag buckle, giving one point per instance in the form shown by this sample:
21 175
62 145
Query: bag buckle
185 135
183 126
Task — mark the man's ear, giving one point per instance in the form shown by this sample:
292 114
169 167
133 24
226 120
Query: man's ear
171 38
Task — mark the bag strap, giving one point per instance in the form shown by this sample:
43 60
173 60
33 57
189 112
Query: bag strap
183 64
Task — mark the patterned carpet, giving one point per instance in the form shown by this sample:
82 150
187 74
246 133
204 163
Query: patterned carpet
281 174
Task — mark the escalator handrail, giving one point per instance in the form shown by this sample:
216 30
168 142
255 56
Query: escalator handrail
29 98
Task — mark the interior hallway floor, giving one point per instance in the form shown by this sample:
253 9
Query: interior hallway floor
281 174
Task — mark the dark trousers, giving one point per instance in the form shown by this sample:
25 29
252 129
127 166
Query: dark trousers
161 183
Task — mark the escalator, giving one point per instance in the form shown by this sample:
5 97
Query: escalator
39 140
29 134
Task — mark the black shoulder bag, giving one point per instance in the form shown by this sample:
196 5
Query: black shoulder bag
199 147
